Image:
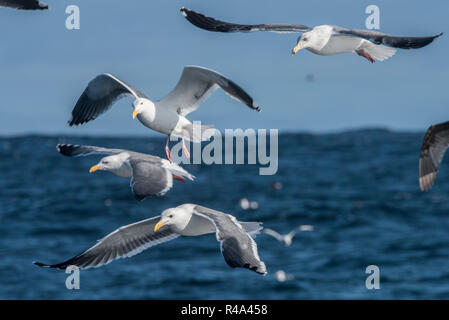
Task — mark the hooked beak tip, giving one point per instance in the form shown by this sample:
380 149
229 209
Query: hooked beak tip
159 225
94 168
135 113
296 49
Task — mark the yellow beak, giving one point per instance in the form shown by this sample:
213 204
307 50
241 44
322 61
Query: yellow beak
135 113
296 48
159 225
94 168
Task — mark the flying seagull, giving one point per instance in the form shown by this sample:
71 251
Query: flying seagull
24 4
281 276
166 116
236 238
323 40
150 175
433 148
287 239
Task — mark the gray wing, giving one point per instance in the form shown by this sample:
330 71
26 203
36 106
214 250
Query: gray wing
196 85
124 242
435 143
99 96
238 248
149 179
392 41
71 150
211 24
24 4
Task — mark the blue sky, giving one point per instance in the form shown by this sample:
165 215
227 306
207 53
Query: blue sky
45 67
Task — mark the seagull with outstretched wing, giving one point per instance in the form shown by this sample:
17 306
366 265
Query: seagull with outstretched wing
435 144
150 175
236 238
166 116
323 40
287 239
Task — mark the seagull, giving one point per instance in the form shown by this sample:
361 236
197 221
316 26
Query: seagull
435 143
150 175
286 239
24 4
281 276
277 185
166 116
245 204
236 238
324 40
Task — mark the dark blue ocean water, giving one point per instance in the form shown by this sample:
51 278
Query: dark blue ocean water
358 189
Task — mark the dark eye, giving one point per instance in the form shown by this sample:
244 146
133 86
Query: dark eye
105 162
170 216
305 39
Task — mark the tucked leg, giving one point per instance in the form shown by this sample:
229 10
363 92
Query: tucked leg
167 149
363 53
179 178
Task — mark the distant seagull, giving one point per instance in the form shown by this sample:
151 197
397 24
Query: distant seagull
245 204
237 245
286 239
277 185
167 115
310 77
324 40
435 143
24 4
150 175
281 276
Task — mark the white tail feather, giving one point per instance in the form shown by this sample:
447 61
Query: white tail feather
253 228
378 51
177 170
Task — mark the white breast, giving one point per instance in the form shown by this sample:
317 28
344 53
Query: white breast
339 44
163 120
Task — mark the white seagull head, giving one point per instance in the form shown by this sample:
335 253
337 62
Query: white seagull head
314 39
114 163
141 104
175 218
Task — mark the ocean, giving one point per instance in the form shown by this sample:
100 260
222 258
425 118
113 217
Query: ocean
358 189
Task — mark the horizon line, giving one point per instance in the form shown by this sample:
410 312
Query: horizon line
282 132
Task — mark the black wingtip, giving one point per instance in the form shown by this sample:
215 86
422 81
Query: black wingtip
140 197
40 264
65 149
257 269
60 266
